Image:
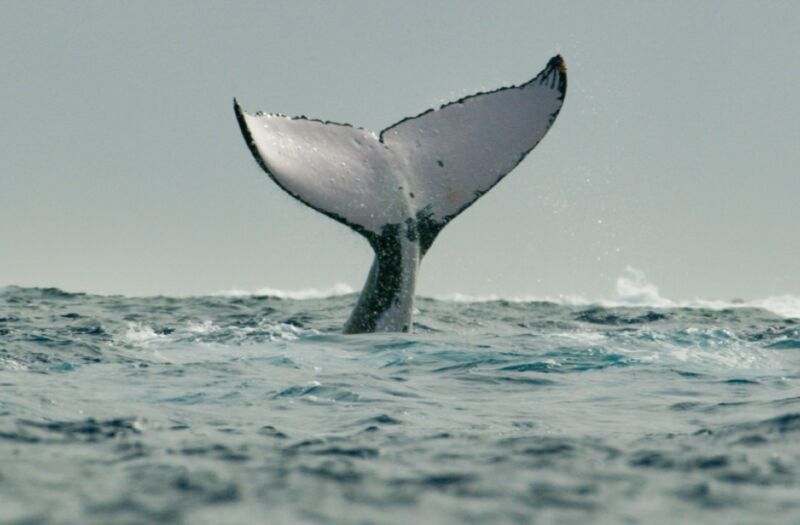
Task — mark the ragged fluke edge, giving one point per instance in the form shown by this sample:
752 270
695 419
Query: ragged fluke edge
399 188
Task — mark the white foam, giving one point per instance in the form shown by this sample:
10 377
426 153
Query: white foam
143 335
457 297
139 333
308 293
785 305
6 363
288 332
206 327
633 289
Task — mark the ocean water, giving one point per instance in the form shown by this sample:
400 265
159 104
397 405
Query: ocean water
242 408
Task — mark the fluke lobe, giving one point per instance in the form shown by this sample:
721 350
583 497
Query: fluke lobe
400 188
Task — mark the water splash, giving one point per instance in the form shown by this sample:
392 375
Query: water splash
634 289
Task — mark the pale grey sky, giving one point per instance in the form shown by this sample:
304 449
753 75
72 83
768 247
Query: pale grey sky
122 168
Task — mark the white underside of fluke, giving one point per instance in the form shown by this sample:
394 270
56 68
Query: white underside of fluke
427 168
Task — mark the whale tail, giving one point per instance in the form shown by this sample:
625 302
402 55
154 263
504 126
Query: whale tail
400 188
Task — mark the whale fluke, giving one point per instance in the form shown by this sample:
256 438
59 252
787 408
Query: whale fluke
400 188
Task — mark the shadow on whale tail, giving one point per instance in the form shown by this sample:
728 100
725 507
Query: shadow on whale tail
400 188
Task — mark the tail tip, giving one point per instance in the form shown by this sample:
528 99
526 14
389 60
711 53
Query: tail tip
557 62
237 109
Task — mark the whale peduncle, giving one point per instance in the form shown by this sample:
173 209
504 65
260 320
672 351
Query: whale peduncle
386 303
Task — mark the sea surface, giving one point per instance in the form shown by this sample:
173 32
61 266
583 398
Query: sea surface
253 408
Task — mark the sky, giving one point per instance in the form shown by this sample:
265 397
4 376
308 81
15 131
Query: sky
122 168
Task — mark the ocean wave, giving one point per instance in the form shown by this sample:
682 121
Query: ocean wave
144 335
307 293
634 290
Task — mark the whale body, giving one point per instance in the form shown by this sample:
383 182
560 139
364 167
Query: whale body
399 188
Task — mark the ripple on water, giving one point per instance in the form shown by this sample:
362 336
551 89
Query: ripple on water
230 409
